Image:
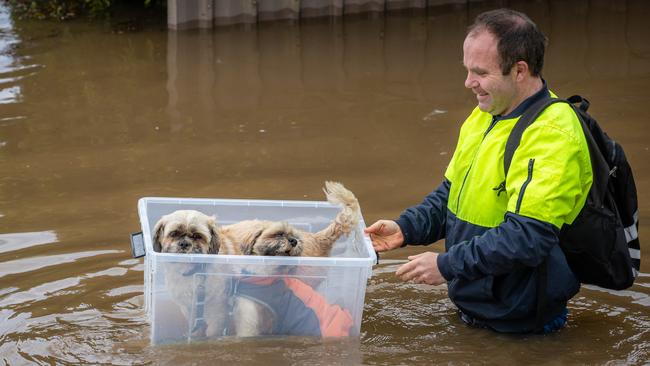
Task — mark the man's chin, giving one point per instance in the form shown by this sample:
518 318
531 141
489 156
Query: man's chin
489 108
484 107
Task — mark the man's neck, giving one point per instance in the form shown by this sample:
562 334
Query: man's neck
533 86
526 90
521 106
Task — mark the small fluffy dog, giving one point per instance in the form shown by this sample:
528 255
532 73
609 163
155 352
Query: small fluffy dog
258 237
192 232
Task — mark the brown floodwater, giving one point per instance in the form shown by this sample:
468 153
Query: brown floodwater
93 118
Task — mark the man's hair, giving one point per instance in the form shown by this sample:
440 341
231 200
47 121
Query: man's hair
518 38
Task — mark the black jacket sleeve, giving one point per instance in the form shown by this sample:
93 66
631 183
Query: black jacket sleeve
425 223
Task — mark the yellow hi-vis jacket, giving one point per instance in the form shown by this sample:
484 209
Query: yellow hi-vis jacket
498 231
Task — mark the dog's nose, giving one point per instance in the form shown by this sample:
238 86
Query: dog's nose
184 245
293 242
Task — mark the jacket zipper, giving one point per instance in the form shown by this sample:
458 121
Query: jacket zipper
612 171
460 192
531 163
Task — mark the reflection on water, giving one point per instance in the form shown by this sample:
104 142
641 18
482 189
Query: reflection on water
11 242
13 68
8 93
92 120
34 263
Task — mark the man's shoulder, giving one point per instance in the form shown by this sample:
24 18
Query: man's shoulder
560 118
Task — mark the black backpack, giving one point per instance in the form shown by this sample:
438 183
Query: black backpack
602 244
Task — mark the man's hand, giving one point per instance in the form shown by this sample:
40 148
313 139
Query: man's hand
385 235
421 268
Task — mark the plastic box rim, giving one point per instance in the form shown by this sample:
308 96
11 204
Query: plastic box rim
242 259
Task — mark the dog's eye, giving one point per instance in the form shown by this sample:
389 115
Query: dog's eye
175 234
197 236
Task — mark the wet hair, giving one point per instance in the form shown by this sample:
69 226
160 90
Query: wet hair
518 38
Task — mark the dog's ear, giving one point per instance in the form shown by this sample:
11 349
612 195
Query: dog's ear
249 243
213 247
158 232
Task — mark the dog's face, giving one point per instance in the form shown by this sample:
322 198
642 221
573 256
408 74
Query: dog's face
186 231
276 239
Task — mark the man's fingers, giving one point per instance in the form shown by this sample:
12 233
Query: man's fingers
403 269
407 271
421 268
412 257
377 227
379 245
411 275
413 270
371 228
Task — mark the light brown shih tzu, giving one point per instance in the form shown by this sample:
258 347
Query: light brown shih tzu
192 232
186 231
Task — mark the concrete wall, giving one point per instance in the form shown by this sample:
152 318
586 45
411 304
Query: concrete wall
187 14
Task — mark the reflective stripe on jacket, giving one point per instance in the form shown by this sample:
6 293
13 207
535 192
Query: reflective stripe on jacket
498 231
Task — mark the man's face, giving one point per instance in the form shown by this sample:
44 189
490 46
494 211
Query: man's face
495 92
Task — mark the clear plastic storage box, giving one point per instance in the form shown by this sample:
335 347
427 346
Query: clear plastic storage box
337 283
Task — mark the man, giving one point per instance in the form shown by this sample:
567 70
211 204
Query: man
503 265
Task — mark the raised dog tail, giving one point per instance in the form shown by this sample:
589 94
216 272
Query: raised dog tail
344 222
349 216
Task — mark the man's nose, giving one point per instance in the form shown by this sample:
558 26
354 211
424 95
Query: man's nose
470 82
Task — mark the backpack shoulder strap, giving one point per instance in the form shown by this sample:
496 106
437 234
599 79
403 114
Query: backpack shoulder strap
577 99
526 119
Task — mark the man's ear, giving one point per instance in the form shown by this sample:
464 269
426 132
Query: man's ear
521 70
158 232
215 244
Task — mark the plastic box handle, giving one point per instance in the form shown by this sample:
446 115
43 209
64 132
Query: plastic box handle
137 245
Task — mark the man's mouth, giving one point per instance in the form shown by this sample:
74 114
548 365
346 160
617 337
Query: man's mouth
481 96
